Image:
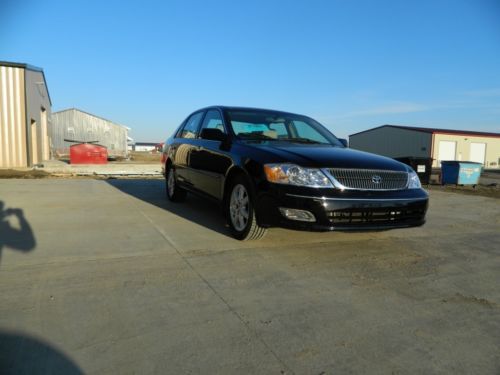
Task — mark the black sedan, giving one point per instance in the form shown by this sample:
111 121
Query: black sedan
270 168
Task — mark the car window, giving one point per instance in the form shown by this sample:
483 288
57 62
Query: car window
190 130
305 130
213 120
280 129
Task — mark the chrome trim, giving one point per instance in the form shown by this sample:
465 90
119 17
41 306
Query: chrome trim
339 186
355 199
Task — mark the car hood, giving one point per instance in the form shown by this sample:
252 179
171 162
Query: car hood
322 156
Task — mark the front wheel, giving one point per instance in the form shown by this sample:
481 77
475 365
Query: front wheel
240 212
173 192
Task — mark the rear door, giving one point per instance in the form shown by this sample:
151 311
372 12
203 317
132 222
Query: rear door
185 143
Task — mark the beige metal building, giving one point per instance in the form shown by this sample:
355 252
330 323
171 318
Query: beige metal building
25 109
439 144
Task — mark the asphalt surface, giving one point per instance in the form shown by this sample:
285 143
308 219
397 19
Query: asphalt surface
107 277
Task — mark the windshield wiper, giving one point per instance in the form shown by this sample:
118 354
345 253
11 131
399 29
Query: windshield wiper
256 136
302 140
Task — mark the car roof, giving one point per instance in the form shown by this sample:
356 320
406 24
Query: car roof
236 108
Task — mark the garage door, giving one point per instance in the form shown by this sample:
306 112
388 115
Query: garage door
477 152
447 150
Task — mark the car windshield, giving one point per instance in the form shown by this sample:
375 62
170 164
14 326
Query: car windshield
276 126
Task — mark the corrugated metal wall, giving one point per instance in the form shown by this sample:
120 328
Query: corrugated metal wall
393 142
80 126
38 111
13 152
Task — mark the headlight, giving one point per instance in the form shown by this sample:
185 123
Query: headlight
294 175
413 181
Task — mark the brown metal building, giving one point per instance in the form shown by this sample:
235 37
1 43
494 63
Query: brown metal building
25 109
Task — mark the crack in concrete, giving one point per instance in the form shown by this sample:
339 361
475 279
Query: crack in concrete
172 243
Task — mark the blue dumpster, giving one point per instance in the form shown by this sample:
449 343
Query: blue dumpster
460 172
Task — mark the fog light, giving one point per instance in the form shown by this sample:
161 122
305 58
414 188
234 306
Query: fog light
298 215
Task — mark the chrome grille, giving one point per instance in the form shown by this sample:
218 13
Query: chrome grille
369 179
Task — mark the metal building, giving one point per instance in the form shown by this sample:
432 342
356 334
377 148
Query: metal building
25 109
398 141
146 146
81 126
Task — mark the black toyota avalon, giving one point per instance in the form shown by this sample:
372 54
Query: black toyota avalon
270 168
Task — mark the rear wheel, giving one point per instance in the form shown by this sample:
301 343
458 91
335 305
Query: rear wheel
173 192
240 211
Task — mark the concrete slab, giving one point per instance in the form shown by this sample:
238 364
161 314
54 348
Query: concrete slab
111 169
108 277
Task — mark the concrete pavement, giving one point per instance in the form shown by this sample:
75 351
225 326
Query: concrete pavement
117 280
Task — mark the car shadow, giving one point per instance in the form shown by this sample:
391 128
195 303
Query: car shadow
201 211
22 354
16 236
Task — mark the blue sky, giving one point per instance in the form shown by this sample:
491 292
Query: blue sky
351 65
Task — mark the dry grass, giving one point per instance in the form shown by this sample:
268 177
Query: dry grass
32 173
145 157
485 191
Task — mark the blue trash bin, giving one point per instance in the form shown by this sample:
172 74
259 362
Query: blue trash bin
460 172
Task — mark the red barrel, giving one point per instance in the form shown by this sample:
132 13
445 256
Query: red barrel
86 153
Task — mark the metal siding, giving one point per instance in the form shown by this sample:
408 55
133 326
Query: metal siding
5 118
37 97
12 134
14 126
21 133
81 126
492 157
393 142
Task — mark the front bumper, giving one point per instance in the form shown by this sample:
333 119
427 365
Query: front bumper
348 210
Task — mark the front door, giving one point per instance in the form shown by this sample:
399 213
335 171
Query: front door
477 152
34 143
447 151
210 162
45 136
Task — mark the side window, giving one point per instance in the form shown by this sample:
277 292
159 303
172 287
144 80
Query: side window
190 130
213 120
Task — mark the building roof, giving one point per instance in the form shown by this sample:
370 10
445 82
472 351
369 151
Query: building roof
20 65
434 131
27 67
90 114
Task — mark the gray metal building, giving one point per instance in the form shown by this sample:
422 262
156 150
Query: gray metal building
81 126
439 144
25 109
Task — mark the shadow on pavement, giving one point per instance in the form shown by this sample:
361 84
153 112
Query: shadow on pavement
18 237
196 209
21 354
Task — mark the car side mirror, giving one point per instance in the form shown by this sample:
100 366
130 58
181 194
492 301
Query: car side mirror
344 142
213 135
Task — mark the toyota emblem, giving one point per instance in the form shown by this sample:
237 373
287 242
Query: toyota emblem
376 179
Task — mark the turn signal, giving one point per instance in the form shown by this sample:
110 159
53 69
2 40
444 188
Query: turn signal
275 174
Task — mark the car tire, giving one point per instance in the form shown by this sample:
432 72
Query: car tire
173 192
240 211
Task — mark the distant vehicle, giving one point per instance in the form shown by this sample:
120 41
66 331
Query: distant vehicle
270 168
